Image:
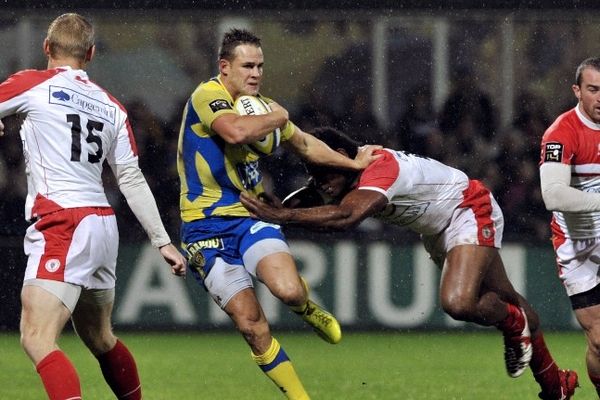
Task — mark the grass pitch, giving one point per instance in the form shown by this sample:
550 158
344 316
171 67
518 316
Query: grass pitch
217 366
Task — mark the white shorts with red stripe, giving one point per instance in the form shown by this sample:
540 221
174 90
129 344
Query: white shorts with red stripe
578 263
478 221
74 245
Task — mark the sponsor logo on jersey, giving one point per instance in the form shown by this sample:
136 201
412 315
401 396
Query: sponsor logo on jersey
219 104
260 225
61 96
401 214
553 152
52 265
80 102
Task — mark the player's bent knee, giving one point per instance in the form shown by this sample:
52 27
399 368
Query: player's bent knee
291 294
100 342
254 333
458 308
35 344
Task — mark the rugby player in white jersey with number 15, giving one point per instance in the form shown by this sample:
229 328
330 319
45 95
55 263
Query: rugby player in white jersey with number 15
71 127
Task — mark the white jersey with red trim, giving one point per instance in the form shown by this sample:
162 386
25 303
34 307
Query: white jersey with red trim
575 140
71 126
422 193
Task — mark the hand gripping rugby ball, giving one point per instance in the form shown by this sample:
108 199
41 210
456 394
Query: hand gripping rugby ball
252 105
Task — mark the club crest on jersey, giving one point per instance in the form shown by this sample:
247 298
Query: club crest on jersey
219 104
52 265
487 232
553 152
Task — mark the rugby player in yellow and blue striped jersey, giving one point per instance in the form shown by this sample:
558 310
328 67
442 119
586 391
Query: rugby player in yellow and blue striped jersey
224 245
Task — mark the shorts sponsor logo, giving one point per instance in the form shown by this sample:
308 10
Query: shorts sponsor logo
260 225
80 102
219 104
213 243
553 152
52 265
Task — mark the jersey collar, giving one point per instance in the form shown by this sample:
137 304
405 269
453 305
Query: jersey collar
586 121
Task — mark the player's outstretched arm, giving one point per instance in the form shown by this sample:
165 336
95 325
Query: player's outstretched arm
356 206
317 152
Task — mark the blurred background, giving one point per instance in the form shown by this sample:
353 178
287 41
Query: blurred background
472 85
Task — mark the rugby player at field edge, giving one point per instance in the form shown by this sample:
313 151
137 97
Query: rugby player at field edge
461 226
570 182
224 245
73 240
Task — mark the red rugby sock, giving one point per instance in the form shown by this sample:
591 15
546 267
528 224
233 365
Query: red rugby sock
545 370
120 372
514 321
59 377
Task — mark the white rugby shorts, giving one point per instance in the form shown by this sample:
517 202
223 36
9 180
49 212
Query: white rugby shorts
578 261
74 245
482 225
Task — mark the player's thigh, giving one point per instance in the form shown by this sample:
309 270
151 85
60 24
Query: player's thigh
92 319
279 273
43 315
496 280
464 271
589 319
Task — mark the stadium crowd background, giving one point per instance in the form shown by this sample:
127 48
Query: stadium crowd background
474 89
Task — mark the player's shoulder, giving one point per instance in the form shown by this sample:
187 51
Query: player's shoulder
387 156
211 90
23 81
564 125
32 77
213 85
388 162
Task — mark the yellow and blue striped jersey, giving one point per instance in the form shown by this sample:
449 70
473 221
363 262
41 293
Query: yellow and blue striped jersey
213 172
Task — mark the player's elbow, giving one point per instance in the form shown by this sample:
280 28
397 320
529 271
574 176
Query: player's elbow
348 221
552 200
238 135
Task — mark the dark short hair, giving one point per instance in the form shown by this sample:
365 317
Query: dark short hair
336 140
233 38
592 62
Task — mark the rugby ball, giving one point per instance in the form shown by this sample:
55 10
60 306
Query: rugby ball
252 105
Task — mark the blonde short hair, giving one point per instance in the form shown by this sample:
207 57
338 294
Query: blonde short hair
70 35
